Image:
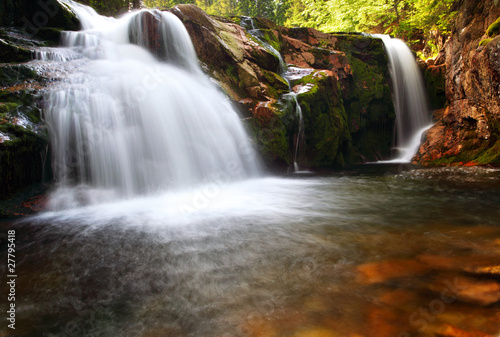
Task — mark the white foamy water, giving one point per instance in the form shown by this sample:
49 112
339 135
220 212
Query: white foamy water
409 97
132 122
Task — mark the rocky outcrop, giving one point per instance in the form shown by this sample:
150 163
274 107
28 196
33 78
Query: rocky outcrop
27 25
468 130
341 83
41 18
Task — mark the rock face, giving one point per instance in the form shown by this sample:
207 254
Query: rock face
24 26
468 130
341 83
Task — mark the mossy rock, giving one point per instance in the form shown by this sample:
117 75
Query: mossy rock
22 159
485 42
51 35
494 28
10 53
325 122
15 74
369 106
435 84
8 107
263 57
271 140
277 86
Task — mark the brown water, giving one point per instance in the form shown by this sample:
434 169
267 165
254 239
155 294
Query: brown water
374 251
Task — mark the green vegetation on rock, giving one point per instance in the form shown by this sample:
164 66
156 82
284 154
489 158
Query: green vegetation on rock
494 28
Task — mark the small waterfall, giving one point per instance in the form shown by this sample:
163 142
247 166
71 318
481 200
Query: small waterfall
410 98
299 138
138 116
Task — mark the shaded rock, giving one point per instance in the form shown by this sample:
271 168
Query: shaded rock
367 98
35 16
435 84
325 121
10 53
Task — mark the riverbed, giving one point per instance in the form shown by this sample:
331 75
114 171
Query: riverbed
376 250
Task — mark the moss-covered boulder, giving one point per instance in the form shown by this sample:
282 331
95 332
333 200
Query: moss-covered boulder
268 129
11 53
327 139
368 102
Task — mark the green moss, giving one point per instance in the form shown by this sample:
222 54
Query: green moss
50 34
277 86
325 122
8 107
269 37
21 158
10 53
435 84
485 42
14 74
494 28
271 140
370 111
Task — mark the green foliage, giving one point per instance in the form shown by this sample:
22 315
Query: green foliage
112 7
401 18
494 28
485 42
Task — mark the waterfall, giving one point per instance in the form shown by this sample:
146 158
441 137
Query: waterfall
248 23
137 115
410 98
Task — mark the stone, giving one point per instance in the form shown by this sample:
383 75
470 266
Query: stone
469 130
384 271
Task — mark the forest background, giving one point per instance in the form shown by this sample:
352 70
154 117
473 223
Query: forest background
423 24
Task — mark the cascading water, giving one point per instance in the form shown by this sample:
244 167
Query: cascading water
141 117
248 23
409 96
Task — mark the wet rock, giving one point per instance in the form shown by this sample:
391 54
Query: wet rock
466 289
315 332
383 271
435 84
10 53
367 98
35 16
469 131
452 331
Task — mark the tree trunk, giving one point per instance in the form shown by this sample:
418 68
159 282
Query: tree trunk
136 4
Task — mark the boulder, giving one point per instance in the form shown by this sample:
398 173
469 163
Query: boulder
35 17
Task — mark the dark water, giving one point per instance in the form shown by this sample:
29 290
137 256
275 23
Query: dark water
373 251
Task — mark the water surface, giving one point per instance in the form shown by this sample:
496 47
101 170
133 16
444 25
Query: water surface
382 250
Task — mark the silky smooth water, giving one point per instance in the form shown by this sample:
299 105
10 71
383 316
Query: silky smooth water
131 121
355 253
413 115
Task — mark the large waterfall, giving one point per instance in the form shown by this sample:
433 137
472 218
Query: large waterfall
138 116
409 96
